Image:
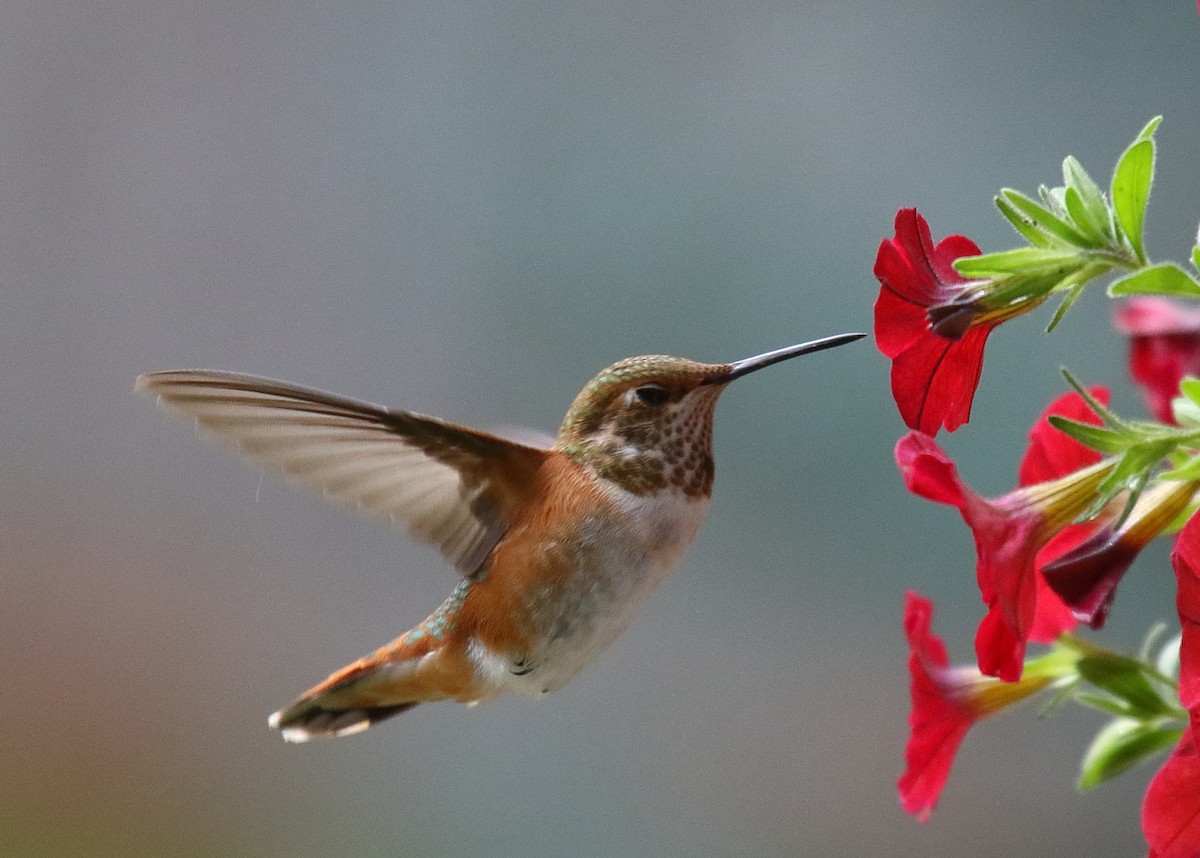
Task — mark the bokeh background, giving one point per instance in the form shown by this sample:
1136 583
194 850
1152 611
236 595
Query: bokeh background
467 209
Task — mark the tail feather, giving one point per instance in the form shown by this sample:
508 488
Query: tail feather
309 719
349 701
377 687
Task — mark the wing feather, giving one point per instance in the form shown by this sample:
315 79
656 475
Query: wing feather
454 487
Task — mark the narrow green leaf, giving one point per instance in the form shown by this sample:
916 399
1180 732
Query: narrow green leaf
1167 662
1150 640
1019 261
1123 678
1189 470
1083 218
1096 437
1054 199
1131 189
1151 127
1190 387
1186 412
1085 202
1186 406
1066 304
1131 475
1122 744
1106 414
1196 257
1045 218
1102 703
1025 225
1165 278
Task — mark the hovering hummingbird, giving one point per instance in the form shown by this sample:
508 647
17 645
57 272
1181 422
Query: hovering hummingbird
558 545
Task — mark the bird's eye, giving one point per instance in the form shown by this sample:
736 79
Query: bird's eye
651 394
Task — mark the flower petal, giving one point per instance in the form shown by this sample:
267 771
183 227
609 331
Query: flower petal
927 471
933 376
1053 454
1164 347
934 380
1171 808
1053 616
1186 560
937 724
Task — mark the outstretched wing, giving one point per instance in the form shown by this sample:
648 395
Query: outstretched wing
454 487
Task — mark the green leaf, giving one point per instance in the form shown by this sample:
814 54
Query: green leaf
1106 414
1080 215
1151 126
1196 256
1130 475
1019 261
1102 703
1167 662
1131 189
1074 283
1025 225
1066 304
1122 744
1165 278
1054 199
1190 387
1085 202
1090 435
1124 678
1045 218
1189 470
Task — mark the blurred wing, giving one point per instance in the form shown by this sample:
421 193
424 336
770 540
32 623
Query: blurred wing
454 487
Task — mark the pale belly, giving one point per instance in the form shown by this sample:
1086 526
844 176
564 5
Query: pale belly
618 568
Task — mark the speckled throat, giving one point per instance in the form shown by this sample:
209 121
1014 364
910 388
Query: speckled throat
646 456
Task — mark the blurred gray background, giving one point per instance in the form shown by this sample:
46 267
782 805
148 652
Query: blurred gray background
468 209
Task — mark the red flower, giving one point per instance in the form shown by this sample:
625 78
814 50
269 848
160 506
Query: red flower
1051 455
946 702
1013 532
933 324
1186 560
934 370
1171 809
1086 577
1164 346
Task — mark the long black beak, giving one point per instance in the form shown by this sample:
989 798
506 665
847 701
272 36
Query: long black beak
749 365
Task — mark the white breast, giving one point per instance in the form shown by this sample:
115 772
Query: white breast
621 563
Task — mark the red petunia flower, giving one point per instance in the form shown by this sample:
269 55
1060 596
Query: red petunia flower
933 324
1171 808
946 702
1013 532
1186 560
1086 577
1164 346
1051 455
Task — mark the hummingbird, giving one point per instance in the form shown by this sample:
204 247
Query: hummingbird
558 545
